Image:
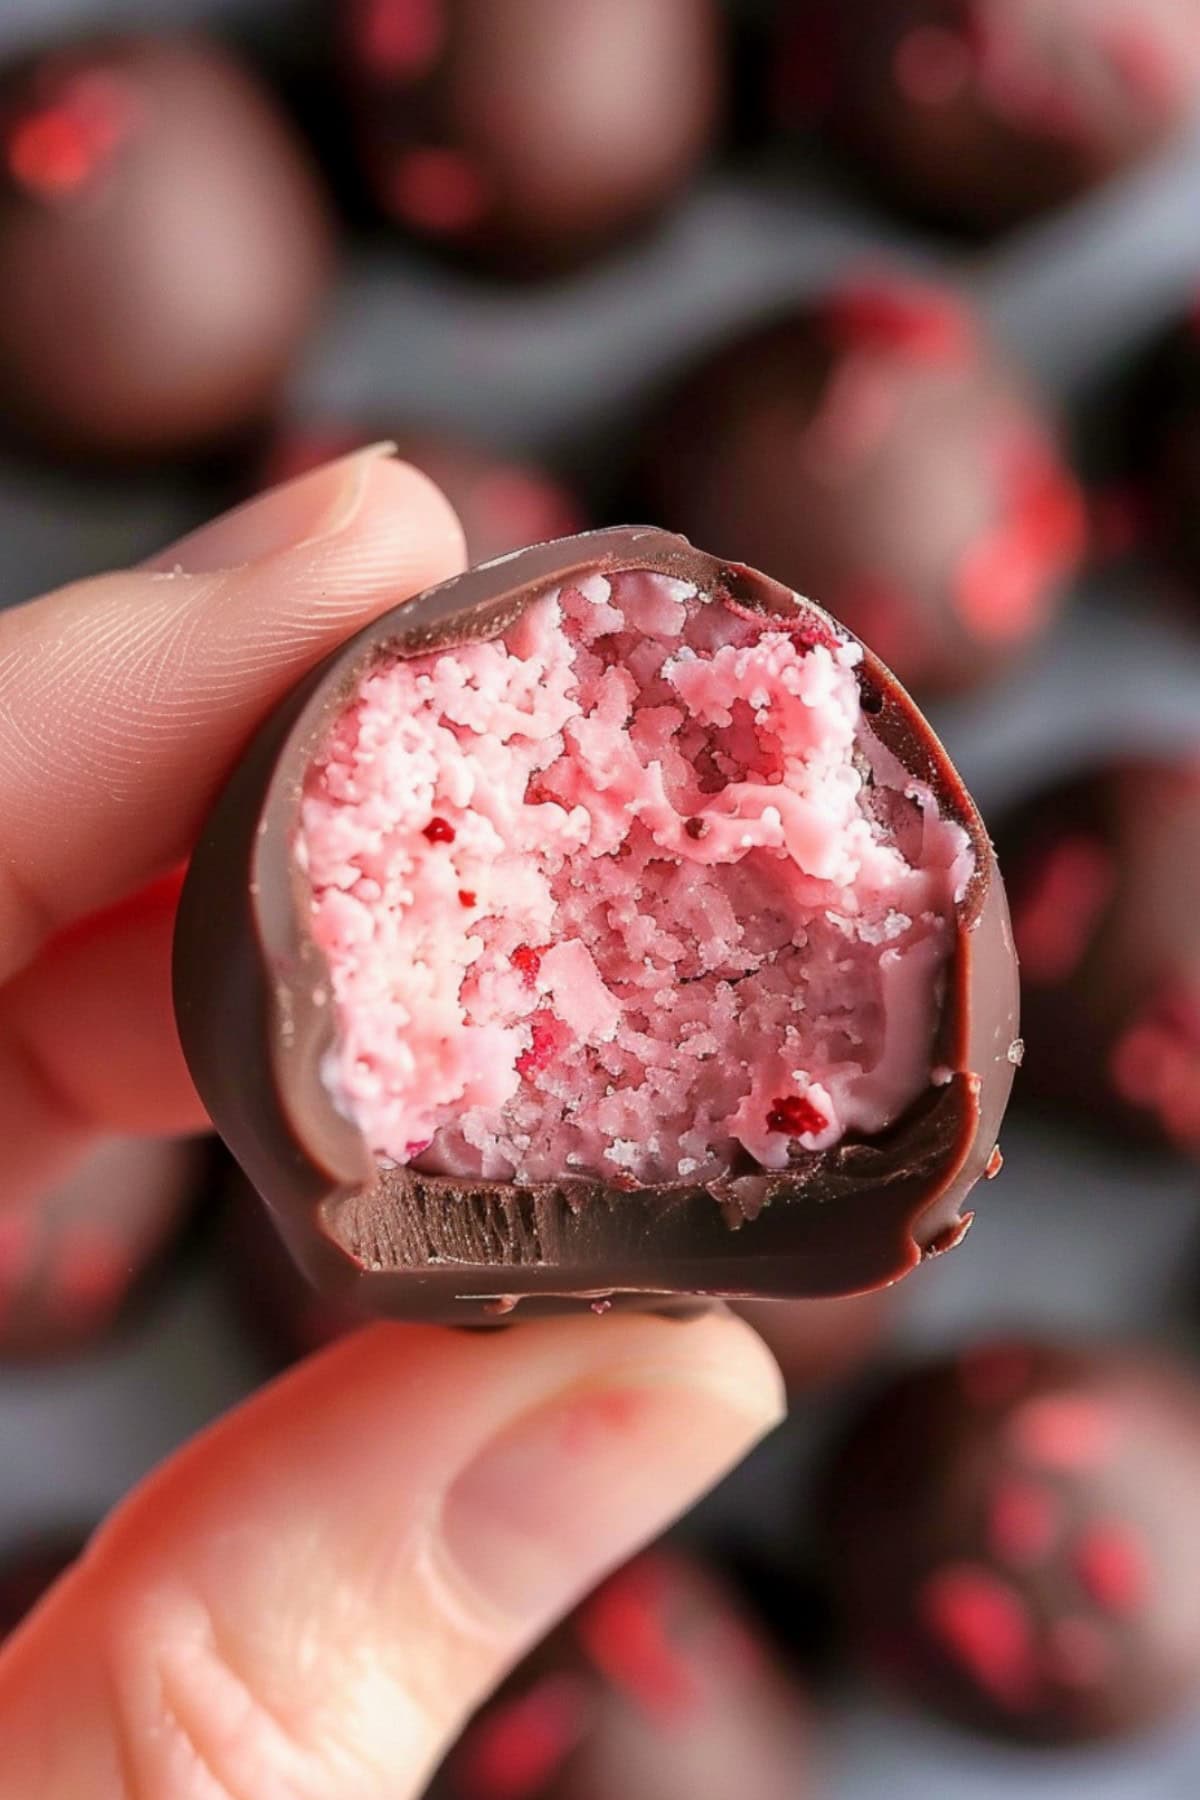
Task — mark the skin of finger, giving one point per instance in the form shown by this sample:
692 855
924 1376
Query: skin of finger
125 699
291 1609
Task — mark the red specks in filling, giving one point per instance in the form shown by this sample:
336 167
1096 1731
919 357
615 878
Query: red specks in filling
1155 1064
1023 1522
796 1115
399 40
813 636
623 1630
527 961
439 831
467 897
543 1045
1111 1564
1064 1431
932 65
902 320
1060 905
57 150
982 1625
995 1374
438 190
514 1751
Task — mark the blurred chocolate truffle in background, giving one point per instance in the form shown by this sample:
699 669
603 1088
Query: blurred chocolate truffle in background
1103 872
503 502
819 1342
278 1306
657 1688
163 247
876 452
1012 1540
984 113
72 1261
27 1570
528 134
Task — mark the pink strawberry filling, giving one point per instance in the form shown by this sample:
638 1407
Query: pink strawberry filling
632 892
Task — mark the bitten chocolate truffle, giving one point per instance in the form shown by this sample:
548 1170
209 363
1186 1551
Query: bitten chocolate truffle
527 134
504 503
163 245
73 1262
603 923
1104 870
1011 1536
658 1688
984 113
876 450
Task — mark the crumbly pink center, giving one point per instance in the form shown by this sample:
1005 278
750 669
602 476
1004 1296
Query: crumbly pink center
631 892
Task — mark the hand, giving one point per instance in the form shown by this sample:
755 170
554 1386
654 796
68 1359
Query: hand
305 1603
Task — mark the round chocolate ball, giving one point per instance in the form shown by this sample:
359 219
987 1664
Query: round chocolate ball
1104 874
984 113
504 503
163 246
73 1261
1011 1537
875 450
657 1688
525 133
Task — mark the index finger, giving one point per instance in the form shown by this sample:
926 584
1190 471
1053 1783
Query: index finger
124 699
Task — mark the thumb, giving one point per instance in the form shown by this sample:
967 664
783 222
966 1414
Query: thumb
307 1602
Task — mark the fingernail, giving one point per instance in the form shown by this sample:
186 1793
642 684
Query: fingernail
306 510
570 1489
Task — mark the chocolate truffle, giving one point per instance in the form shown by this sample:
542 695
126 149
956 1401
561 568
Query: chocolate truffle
525 133
658 1688
984 113
1104 872
874 449
1011 1536
26 1573
504 503
163 244
73 1261
602 923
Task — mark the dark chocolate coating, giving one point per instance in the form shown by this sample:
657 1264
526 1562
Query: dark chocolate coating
1011 1536
524 133
1164 452
27 1571
279 1307
417 1245
657 1688
1104 871
73 1262
984 113
163 245
503 502
874 449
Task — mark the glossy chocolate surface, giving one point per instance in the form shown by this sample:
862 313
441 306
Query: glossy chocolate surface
414 1245
1011 1538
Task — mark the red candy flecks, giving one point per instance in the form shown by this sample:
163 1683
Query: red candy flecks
398 40
797 1116
467 897
543 1045
515 1750
910 321
1155 1064
1111 1563
439 831
982 1624
1064 1431
527 961
624 1632
56 150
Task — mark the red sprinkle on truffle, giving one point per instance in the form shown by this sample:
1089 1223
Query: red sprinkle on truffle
1156 1064
57 150
797 1116
514 1751
542 1047
439 831
438 190
1064 1431
399 40
981 1623
903 319
623 1629
1061 906
1110 1562
527 961
466 896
